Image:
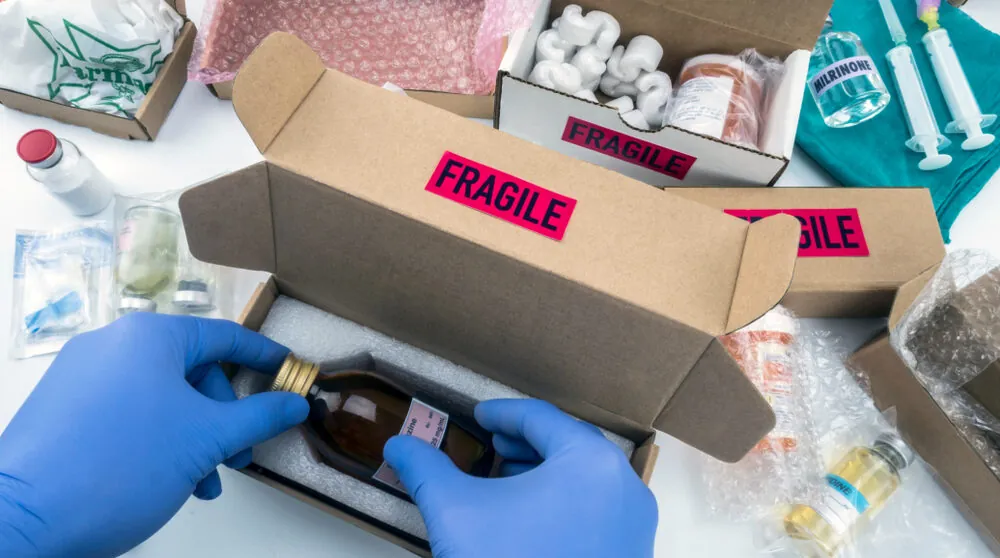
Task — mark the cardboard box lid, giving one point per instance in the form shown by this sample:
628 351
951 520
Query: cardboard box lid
699 273
898 225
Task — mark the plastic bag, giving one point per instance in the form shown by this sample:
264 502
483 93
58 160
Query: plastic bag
949 335
100 55
724 96
62 286
154 270
453 46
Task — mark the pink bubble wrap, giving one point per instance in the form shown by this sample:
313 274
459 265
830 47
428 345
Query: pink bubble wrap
437 45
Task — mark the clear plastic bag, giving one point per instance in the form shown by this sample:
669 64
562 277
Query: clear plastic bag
453 46
723 96
155 271
62 287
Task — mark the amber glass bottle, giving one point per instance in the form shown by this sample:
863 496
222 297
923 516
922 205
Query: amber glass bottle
353 413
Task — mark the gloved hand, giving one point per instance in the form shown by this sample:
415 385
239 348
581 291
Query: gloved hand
126 424
566 491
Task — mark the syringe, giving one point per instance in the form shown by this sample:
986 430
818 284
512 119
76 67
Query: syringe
926 135
968 117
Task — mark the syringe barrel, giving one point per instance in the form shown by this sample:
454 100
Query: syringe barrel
955 86
919 114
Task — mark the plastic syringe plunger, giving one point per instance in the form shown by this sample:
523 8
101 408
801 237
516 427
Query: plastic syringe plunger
925 137
965 111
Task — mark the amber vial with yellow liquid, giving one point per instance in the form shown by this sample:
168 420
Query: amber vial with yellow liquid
855 490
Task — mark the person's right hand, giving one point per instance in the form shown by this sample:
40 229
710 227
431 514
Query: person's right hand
565 491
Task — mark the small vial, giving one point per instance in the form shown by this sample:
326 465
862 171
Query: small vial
857 487
148 250
843 79
65 172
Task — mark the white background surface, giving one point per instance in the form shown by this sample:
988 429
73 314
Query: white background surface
202 138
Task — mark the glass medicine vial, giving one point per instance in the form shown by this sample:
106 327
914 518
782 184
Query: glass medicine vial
843 79
856 489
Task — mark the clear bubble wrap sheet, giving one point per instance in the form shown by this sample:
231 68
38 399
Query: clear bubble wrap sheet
453 46
827 410
950 335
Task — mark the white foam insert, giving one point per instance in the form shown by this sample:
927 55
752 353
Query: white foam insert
333 342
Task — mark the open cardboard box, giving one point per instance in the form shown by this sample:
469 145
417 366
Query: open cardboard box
784 29
151 114
858 245
970 482
568 283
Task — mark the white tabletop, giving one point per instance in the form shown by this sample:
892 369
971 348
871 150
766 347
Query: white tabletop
202 138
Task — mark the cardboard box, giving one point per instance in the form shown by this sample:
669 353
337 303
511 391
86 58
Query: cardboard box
571 284
151 114
971 483
685 28
858 245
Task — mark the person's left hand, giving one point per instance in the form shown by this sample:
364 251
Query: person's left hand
126 424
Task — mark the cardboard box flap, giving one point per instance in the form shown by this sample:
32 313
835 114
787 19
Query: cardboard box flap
795 23
180 6
384 148
908 294
766 269
694 415
229 222
287 63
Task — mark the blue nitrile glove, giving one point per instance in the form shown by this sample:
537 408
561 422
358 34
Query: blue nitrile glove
126 424
566 491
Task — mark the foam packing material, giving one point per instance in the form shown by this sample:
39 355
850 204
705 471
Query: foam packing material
334 342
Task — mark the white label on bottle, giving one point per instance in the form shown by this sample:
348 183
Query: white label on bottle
702 105
424 422
841 70
840 504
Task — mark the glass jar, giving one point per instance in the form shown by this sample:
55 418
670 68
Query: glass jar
843 79
147 250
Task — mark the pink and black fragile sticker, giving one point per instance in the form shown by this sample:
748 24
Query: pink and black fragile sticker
627 148
826 233
502 195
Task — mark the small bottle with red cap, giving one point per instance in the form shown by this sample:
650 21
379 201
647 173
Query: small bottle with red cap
65 172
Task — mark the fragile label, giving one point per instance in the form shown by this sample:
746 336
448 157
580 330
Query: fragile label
424 422
627 148
501 195
840 71
826 233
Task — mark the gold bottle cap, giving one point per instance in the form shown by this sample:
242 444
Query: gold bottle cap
295 375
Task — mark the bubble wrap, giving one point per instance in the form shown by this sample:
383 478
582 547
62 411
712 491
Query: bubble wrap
336 343
769 352
834 413
949 335
453 46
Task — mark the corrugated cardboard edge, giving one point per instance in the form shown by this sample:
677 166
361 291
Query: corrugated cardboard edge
766 270
281 58
247 195
168 85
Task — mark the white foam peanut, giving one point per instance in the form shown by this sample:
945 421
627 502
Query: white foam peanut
608 31
643 53
561 76
590 62
655 92
636 119
576 29
586 94
622 104
613 87
551 46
